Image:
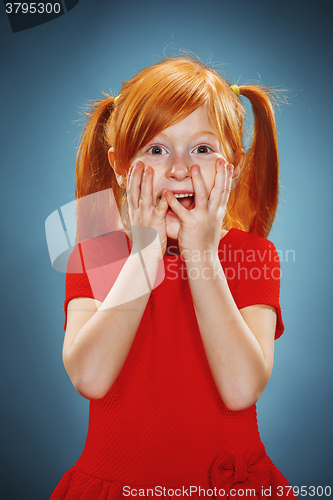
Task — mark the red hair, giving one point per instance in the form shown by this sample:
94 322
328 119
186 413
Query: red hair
162 95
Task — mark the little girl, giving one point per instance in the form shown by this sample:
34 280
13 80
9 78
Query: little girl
171 319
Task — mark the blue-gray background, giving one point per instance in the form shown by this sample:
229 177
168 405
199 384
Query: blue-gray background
48 73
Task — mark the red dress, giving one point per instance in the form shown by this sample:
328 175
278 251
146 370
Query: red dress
163 423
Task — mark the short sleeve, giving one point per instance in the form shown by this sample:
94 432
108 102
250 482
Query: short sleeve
94 266
77 282
258 276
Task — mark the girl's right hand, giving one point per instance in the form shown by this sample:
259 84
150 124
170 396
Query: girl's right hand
142 211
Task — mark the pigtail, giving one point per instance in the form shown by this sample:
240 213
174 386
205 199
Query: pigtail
256 195
94 173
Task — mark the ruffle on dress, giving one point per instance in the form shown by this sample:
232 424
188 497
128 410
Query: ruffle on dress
230 477
76 485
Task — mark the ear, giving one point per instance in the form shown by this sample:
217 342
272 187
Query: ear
120 178
111 157
241 157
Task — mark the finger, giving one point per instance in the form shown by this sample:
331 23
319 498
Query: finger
177 207
129 175
134 185
162 205
226 193
200 192
220 183
146 195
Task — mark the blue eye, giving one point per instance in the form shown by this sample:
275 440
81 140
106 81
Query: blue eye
202 149
156 150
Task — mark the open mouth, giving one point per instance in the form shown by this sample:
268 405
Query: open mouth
185 199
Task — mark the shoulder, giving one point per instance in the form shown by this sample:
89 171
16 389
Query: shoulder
238 245
238 238
98 252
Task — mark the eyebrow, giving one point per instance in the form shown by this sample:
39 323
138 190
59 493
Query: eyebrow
203 132
206 132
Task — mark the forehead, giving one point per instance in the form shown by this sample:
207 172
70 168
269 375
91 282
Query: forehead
196 122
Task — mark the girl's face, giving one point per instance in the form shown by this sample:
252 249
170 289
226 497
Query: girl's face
172 153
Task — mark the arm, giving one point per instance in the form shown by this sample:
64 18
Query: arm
99 335
239 345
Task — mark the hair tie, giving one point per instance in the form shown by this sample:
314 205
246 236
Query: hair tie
236 90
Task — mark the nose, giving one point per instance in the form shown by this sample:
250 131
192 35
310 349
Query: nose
180 167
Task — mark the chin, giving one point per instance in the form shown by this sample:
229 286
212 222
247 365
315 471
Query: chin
172 228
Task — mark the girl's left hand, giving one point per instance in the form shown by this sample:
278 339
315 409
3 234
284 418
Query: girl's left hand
201 227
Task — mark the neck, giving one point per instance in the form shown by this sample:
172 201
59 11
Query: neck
172 247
